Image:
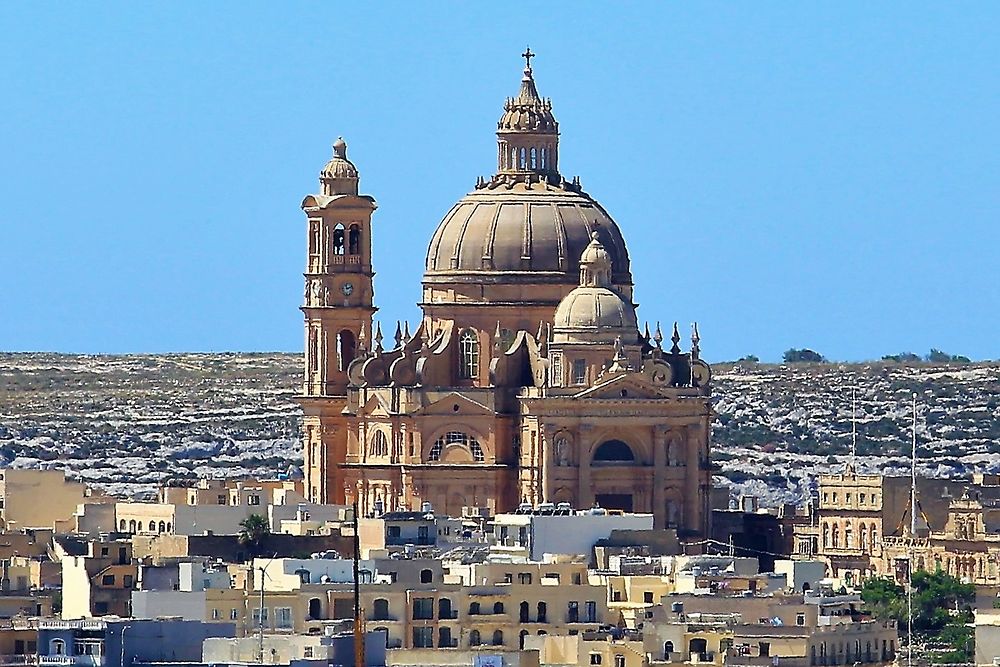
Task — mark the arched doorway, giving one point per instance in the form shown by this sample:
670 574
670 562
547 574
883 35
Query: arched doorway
613 451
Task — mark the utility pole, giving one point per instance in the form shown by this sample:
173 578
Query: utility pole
359 631
260 638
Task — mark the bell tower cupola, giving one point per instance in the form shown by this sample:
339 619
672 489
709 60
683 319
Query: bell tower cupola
528 134
339 176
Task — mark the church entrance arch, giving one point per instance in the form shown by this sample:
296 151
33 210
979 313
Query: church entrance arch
614 452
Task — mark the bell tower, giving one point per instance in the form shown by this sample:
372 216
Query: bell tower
338 308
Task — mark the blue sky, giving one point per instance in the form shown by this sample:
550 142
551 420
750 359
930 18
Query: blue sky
798 174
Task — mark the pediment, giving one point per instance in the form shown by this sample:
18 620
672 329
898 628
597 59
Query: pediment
446 405
374 407
635 386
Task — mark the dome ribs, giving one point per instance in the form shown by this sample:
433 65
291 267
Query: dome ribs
526 237
488 241
561 241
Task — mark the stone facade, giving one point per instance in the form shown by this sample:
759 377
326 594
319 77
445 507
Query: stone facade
861 526
528 379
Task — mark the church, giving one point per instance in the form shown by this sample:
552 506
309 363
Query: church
528 378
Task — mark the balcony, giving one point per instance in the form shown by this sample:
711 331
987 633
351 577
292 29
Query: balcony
15 659
72 660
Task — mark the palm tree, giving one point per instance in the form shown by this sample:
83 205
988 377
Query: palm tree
253 532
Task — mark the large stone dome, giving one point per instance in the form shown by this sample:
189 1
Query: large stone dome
522 233
527 224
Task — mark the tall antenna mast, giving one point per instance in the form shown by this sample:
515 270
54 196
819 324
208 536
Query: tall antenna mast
854 423
913 472
359 632
913 537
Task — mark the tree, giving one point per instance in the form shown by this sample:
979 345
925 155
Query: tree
903 357
938 357
253 533
749 359
794 356
941 609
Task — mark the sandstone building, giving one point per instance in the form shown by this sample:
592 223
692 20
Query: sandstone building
528 379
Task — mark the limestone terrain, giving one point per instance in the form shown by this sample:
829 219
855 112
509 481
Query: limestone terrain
129 423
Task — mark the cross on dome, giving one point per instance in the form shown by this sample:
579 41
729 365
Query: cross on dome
527 55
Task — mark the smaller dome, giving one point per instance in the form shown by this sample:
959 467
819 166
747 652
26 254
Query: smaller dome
595 310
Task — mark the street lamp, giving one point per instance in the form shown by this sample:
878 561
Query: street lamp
122 648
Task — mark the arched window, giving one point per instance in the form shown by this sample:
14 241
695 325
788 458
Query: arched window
316 609
354 240
474 639
456 439
836 536
57 647
163 527
863 538
380 609
498 638
123 525
380 445
523 612
468 355
473 608
543 152
444 608
534 158
131 526
338 240
168 526
520 642
345 349
873 533
498 607
542 610
524 159
614 450
849 536
668 648
826 535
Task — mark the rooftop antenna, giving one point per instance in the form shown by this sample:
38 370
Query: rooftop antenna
260 637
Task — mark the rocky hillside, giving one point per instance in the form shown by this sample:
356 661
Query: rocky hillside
128 423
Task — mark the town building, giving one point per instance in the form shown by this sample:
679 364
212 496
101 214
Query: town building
528 379
861 526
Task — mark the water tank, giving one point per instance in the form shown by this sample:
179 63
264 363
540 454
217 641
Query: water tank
677 607
426 507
